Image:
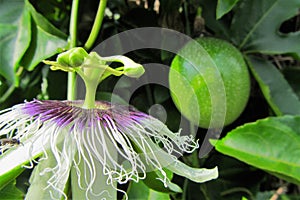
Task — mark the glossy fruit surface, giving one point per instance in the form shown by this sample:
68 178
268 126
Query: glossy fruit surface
209 82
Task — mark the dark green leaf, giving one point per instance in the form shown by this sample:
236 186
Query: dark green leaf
26 38
10 191
46 40
44 24
15 34
271 144
220 26
141 191
275 88
225 6
292 75
255 26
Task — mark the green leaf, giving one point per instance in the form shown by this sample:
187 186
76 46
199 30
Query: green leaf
219 27
141 191
271 144
278 93
15 34
255 26
225 6
46 40
292 75
26 38
11 192
44 23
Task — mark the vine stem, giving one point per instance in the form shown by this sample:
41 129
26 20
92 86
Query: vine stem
187 21
71 90
7 93
71 94
96 26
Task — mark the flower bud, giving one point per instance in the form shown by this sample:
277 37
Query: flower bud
73 57
63 58
134 70
77 56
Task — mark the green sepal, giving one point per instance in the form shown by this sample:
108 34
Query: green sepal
55 66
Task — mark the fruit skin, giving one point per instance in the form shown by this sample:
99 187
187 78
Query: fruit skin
213 91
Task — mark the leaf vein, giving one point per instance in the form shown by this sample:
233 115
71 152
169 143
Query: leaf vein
256 25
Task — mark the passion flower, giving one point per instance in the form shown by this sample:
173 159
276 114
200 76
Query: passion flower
98 144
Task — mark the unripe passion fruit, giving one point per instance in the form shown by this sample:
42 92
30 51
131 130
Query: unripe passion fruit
210 82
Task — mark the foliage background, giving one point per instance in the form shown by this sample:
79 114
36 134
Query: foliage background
266 32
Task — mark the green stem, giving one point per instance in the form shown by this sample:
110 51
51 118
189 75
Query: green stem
7 93
73 42
90 94
71 95
185 188
187 21
91 79
203 189
96 26
73 24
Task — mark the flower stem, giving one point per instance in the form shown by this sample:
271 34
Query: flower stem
96 26
71 95
91 80
90 94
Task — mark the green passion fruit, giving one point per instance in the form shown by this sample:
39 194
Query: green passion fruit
209 82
